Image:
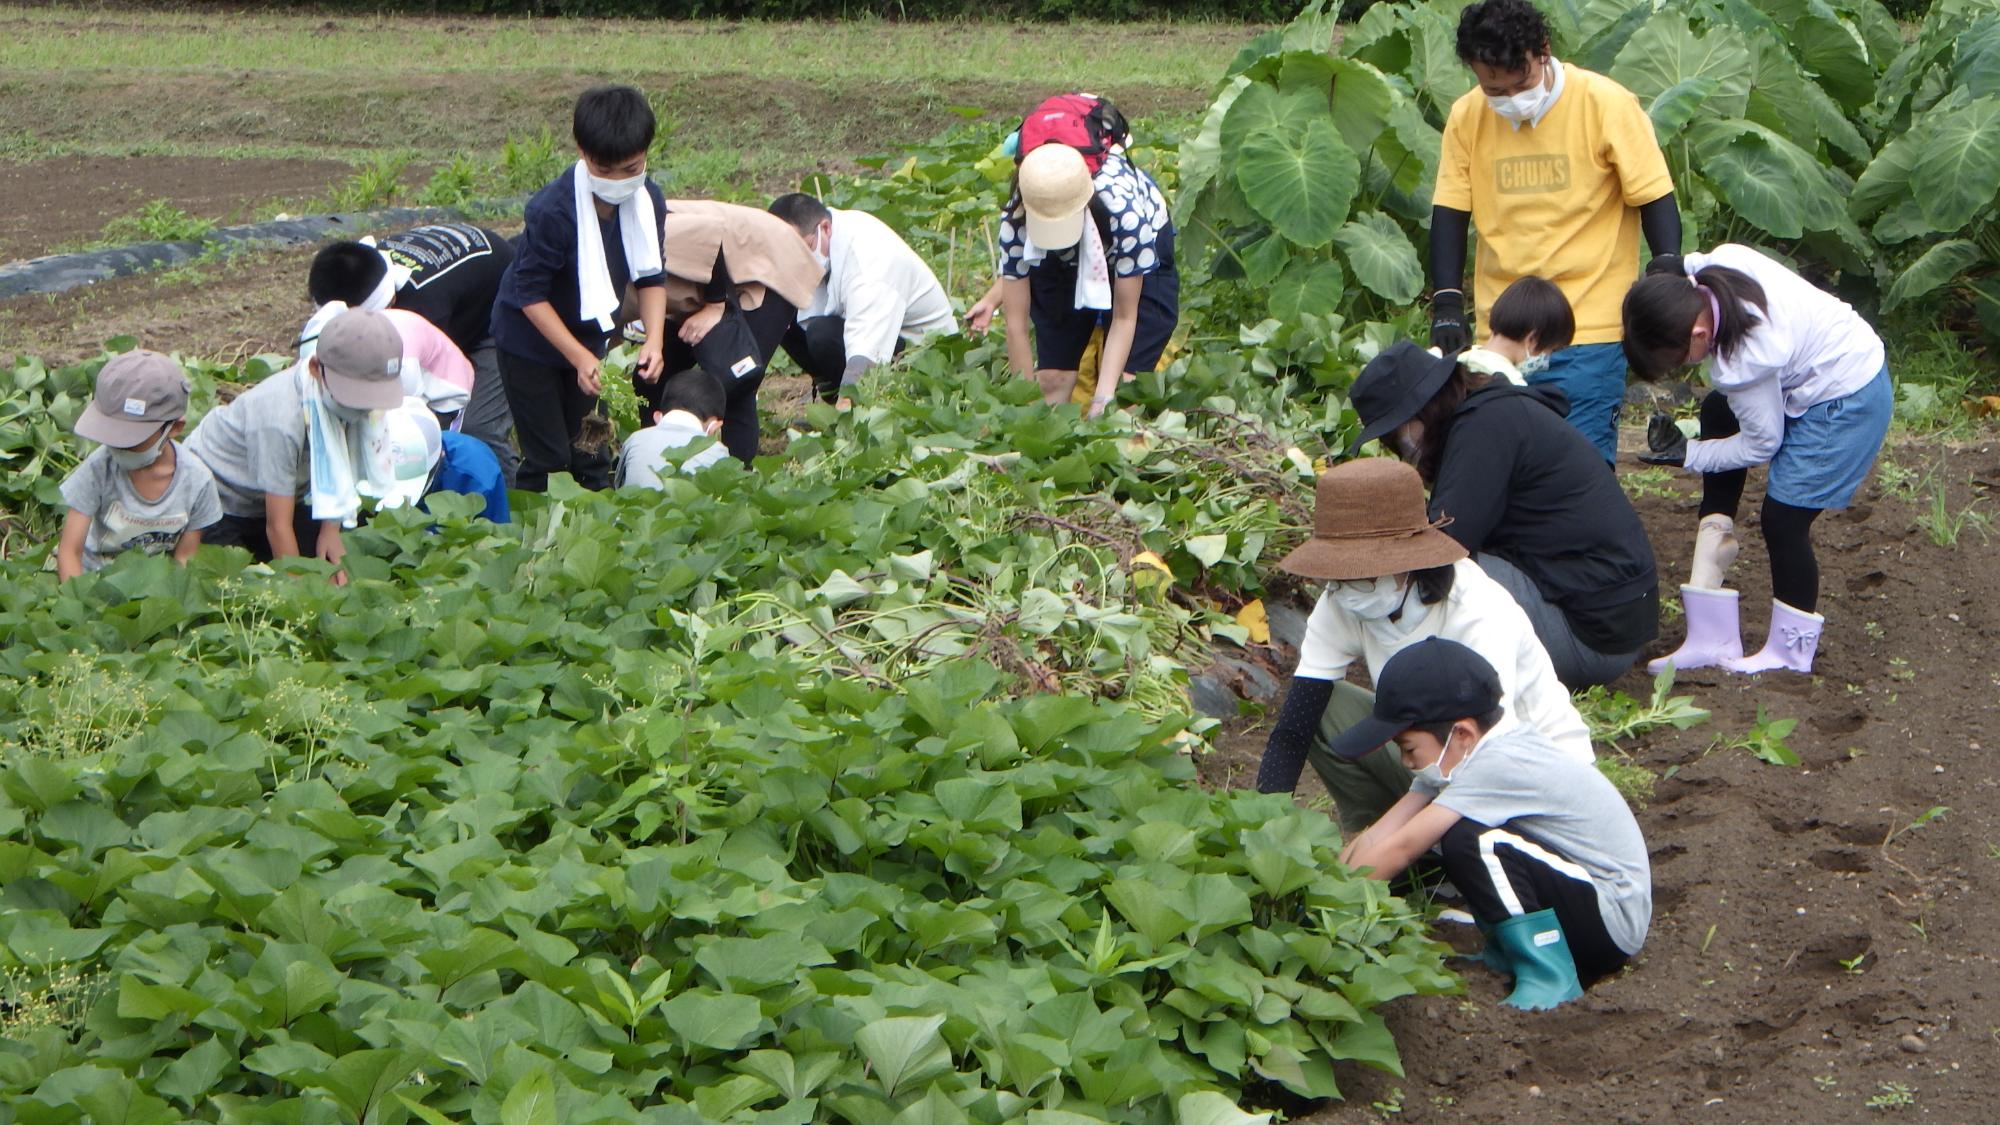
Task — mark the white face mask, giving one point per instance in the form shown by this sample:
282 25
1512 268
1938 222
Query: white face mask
822 249
1527 105
616 191
1434 774
1533 365
132 460
1369 603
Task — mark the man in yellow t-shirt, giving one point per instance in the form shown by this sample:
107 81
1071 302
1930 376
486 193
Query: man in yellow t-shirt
1558 169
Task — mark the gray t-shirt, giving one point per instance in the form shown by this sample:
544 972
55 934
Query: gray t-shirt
645 451
1516 775
256 444
123 520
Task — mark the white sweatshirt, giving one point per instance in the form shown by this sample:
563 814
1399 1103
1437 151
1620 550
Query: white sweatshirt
880 287
1810 348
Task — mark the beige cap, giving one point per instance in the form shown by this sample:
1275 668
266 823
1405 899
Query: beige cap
137 393
361 355
1055 191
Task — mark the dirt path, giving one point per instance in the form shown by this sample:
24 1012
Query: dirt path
1770 881
67 200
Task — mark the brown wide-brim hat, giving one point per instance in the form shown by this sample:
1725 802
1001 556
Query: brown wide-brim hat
1369 520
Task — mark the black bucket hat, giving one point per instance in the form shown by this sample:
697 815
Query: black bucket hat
1394 386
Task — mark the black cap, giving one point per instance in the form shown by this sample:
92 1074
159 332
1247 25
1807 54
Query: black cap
1432 681
1394 386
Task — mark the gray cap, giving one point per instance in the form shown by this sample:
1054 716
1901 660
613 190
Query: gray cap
361 355
137 393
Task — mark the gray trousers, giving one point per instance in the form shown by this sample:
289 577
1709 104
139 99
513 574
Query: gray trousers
1365 788
487 416
1578 665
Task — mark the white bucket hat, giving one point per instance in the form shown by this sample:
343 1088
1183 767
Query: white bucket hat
400 448
1055 191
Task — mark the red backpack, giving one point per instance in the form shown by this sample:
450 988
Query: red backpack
1085 122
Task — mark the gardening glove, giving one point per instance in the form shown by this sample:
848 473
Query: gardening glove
1665 444
1448 332
1665 263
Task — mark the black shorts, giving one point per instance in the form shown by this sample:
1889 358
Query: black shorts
1062 331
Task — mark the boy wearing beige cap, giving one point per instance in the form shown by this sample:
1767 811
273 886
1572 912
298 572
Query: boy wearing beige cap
258 446
136 491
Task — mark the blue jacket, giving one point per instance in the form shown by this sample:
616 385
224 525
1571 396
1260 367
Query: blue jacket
469 467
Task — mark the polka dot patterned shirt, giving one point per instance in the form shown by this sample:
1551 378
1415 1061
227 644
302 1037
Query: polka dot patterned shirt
1138 216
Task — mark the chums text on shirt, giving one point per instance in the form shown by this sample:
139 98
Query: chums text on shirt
1531 175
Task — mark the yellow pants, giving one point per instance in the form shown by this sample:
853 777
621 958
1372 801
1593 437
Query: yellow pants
1086 368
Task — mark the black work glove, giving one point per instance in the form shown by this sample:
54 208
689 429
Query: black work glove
1665 444
1665 263
1448 332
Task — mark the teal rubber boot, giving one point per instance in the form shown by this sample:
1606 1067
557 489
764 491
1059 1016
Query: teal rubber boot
1490 954
1544 974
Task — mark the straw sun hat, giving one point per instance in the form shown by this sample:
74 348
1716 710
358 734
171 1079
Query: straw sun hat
1370 519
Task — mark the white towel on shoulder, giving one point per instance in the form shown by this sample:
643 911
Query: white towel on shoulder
333 449
638 229
1093 269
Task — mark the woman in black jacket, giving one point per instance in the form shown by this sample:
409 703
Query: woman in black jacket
1529 496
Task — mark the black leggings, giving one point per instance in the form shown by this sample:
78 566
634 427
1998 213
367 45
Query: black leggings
1787 530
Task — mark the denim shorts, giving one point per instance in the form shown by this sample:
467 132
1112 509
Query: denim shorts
1829 449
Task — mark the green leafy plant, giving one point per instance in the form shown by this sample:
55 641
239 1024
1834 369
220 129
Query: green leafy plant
1945 526
378 183
158 221
1892 1096
1614 717
1765 740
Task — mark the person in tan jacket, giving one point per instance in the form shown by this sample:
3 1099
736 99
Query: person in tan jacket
736 277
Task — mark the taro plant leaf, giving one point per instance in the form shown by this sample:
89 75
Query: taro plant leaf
1308 287
705 1018
1826 48
1886 180
1206 1107
1301 178
1770 181
1201 154
1938 265
904 1050
1958 173
1382 257
360 1080
1667 52
1677 104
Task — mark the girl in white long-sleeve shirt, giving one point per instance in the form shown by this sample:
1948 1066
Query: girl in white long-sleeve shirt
1801 384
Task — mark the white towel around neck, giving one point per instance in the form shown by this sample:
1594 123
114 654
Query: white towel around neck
1093 269
638 229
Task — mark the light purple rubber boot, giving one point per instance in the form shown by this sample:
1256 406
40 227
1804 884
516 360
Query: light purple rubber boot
1714 635
1793 642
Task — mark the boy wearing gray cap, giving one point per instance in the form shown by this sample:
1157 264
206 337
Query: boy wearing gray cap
136 491
1548 856
257 445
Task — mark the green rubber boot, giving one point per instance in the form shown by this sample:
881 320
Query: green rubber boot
1490 954
1544 974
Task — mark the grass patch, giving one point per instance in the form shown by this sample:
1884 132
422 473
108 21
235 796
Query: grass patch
158 221
1094 55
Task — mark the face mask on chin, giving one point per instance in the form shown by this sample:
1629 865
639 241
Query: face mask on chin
348 415
132 460
616 192
1434 774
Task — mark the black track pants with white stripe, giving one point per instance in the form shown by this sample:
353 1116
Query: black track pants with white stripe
1504 872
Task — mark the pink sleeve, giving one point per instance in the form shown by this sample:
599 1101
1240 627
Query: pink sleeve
427 344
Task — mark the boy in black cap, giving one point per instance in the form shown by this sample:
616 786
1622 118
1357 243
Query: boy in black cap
1548 856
